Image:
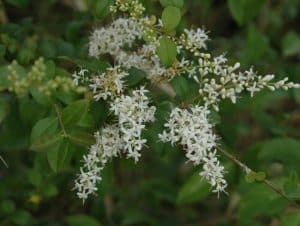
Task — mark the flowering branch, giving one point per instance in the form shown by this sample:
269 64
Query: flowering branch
149 45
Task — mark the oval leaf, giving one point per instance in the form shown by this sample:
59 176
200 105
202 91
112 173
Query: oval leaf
167 51
171 17
73 113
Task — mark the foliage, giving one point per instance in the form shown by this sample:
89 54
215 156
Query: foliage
44 136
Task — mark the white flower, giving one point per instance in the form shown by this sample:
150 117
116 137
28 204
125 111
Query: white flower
196 38
108 84
108 144
79 77
133 112
193 131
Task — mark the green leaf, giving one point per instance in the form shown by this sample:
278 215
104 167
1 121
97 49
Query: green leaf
167 51
260 176
73 113
44 126
194 189
46 142
184 88
4 108
45 135
291 219
57 156
297 95
171 17
250 177
255 176
215 117
243 11
93 65
257 44
2 50
87 121
292 186
7 207
40 97
81 137
135 77
19 3
81 220
30 110
284 150
291 44
101 8
177 3
258 201
22 218
73 29
292 189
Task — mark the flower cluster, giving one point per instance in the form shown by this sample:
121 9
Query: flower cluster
22 82
109 40
194 39
124 137
144 59
133 112
194 132
108 144
228 82
108 84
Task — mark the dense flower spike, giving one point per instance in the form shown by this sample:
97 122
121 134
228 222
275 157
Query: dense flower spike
133 112
193 131
108 144
121 32
124 137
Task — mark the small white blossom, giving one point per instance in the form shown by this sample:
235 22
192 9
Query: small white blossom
80 76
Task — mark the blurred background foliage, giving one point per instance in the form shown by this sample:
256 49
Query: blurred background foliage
161 189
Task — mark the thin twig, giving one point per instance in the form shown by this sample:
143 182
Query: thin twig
4 162
247 170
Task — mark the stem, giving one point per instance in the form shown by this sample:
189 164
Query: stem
60 121
276 189
4 162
